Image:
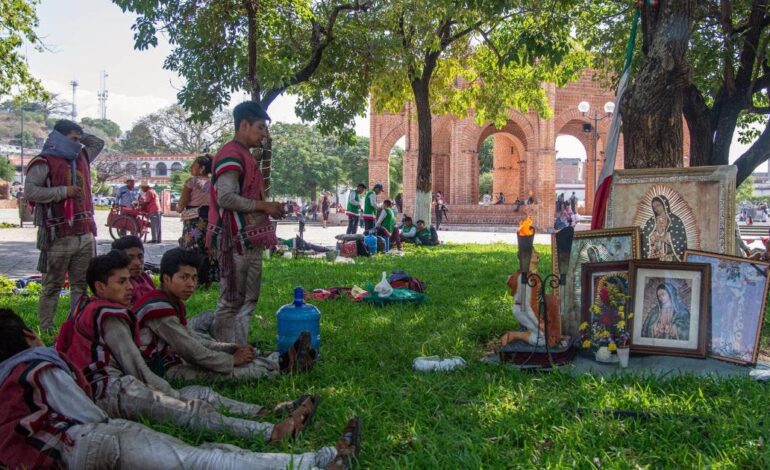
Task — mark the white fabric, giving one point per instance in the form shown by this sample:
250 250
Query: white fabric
66 398
526 316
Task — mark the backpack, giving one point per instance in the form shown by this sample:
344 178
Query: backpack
67 331
400 279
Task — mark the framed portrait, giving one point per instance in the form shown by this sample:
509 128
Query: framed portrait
670 302
739 286
606 300
591 246
677 209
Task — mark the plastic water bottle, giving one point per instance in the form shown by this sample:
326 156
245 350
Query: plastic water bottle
371 243
296 317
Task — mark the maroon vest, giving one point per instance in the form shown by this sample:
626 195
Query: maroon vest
151 306
60 174
31 434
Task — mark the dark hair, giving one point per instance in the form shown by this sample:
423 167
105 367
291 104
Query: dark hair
101 267
174 258
127 241
387 201
204 161
361 185
406 217
377 186
12 329
250 111
421 222
65 126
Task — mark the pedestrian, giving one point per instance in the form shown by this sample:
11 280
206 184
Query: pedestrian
59 183
573 203
326 202
369 207
353 210
148 202
400 203
239 224
500 199
439 208
128 194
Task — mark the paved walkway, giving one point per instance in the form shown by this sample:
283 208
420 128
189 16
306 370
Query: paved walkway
18 255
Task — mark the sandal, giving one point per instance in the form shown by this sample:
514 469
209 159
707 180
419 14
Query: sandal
296 423
348 447
300 357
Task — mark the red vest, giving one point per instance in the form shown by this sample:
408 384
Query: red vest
31 434
141 287
88 352
60 174
153 305
235 229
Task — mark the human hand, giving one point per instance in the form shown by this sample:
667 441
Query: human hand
244 354
74 192
274 209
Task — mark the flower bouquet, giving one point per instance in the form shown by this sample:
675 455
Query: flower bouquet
606 331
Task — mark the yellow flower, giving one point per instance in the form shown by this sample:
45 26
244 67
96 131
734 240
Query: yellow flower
586 344
621 309
621 314
595 308
583 326
612 346
631 315
620 324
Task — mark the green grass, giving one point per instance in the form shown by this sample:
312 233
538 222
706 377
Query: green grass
485 415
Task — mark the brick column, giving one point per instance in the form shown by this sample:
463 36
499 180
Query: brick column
410 181
464 188
379 173
545 191
506 174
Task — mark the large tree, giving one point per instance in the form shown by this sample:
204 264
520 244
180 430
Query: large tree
18 21
263 48
456 56
179 133
704 60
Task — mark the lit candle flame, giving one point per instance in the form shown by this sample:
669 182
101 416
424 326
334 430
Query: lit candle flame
526 229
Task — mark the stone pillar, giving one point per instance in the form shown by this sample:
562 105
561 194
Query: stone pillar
505 175
545 191
379 173
464 169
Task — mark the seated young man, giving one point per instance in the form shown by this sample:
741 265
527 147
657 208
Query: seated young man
132 246
386 224
408 230
103 347
425 236
176 353
49 421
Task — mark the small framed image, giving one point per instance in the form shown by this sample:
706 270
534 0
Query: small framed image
591 246
670 302
740 286
606 304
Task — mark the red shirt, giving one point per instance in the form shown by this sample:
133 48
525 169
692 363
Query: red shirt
150 201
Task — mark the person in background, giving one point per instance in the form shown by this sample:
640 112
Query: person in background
386 224
425 236
59 183
408 230
194 206
141 282
500 199
326 202
400 202
148 202
128 194
573 203
439 208
369 207
353 210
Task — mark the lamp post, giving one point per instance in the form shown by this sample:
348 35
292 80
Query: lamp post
584 107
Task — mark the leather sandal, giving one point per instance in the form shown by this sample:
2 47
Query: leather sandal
348 447
288 407
300 357
296 423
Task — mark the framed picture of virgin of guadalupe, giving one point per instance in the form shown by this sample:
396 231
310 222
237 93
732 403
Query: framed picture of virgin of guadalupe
676 209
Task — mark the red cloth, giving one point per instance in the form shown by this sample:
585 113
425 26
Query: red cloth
28 426
600 203
141 287
149 200
153 305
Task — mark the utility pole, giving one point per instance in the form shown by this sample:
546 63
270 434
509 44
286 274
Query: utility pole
103 95
74 84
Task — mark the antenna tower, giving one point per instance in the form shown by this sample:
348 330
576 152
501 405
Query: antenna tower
74 84
103 95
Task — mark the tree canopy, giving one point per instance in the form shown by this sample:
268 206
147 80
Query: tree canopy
18 20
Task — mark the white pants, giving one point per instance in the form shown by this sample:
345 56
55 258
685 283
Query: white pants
125 444
527 317
233 317
129 398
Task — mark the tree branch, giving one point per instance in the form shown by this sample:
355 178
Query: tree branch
757 154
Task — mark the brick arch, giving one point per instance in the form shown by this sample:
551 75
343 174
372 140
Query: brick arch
389 141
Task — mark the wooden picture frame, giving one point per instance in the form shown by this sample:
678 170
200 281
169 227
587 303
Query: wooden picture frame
740 285
616 244
593 274
677 209
670 302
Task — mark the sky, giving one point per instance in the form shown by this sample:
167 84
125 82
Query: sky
85 37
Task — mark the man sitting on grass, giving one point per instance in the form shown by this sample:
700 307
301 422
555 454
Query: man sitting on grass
425 236
169 347
408 230
103 347
49 421
141 282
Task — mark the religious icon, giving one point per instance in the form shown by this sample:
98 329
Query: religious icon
667 317
668 224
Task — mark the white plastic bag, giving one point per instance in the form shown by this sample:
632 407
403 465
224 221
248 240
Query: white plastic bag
383 288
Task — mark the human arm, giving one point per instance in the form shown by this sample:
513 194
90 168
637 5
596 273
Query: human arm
229 197
188 347
65 397
184 198
93 146
35 188
353 199
408 232
383 213
117 336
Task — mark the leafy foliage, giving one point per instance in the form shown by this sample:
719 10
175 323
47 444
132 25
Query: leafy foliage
745 192
18 21
110 128
173 130
485 183
7 171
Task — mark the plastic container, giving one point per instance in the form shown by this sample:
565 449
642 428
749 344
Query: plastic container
296 317
431 363
371 243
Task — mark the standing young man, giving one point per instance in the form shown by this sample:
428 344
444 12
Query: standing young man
369 212
148 201
59 183
239 224
353 210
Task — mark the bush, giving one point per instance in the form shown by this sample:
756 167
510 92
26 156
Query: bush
6 286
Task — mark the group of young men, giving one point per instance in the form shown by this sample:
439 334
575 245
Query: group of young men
66 407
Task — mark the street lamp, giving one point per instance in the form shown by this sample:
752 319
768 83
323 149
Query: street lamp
584 107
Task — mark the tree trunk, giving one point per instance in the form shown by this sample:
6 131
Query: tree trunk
653 105
699 124
423 199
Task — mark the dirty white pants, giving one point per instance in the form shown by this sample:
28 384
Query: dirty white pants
122 444
233 317
260 367
129 398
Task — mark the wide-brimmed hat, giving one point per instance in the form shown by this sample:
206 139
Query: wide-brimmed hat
144 183
130 178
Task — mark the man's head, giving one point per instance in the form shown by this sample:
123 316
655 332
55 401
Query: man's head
130 182
387 204
108 277
360 188
407 221
179 273
15 335
145 185
69 129
132 247
377 188
420 224
250 123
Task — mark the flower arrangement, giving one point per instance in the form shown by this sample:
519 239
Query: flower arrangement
607 326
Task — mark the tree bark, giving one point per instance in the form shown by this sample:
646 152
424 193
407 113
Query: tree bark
653 105
696 112
420 88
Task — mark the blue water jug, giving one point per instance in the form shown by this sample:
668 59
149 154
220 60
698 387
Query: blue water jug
296 317
371 243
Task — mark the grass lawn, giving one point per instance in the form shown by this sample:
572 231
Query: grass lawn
485 415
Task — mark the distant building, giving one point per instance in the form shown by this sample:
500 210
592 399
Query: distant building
570 176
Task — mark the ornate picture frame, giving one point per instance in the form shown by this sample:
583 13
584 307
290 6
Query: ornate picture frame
670 302
616 244
677 209
594 276
740 285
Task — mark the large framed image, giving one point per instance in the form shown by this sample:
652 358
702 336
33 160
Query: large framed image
739 287
671 307
591 246
677 209
606 300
